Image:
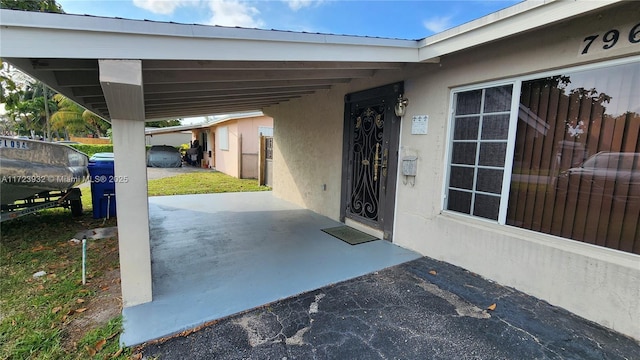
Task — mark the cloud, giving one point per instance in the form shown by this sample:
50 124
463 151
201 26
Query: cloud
438 23
234 13
296 5
164 7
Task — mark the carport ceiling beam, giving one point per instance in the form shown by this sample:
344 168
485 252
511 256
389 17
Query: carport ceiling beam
232 85
173 114
121 82
65 64
239 104
77 78
176 77
315 84
236 100
231 93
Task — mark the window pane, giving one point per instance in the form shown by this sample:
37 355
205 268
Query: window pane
495 127
461 177
576 147
498 99
466 128
464 153
459 201
487 206
489 180
492 154
468 102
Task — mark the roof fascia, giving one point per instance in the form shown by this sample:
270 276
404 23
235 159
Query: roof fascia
513 20
47 35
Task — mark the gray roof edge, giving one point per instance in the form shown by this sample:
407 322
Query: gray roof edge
19 18
519 9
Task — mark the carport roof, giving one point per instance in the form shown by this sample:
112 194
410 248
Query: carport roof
193 70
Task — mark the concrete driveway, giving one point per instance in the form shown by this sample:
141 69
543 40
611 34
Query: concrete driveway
423 309
159 173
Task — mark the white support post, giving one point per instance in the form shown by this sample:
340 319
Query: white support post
121 82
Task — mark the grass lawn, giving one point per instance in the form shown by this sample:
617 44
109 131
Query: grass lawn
202 183
46 317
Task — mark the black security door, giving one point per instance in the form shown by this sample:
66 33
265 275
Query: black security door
371 151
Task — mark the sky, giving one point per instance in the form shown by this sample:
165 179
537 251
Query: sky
412 20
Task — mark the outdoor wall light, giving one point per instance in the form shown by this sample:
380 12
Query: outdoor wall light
401 105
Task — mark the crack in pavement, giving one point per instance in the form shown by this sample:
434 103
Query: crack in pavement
462 307
253 324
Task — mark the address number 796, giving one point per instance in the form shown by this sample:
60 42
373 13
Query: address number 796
612 38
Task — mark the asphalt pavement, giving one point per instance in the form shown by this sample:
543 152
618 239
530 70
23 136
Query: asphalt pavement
423 309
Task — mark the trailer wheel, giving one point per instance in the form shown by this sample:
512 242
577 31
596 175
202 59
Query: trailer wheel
76 207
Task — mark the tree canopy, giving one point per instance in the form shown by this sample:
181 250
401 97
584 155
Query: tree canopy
50 6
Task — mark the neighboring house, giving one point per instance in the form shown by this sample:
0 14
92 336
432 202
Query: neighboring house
498 109
230 143
172 136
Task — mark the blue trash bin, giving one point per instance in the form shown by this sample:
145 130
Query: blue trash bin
103 187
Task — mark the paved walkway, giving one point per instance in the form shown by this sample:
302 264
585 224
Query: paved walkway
423 309
214 255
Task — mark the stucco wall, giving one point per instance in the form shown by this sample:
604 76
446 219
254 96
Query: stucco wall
249 129
227 160
599 284
308 142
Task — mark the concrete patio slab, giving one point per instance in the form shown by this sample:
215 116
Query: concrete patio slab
423 309
216 255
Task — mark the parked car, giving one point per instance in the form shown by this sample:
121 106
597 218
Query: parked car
164 156
602 174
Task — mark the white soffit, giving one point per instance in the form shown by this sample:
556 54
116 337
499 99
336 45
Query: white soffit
513 20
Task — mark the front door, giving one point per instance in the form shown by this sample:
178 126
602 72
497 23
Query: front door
370 161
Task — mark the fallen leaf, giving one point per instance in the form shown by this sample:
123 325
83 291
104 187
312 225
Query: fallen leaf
117 353
104 288
91 351
71 312
56 309
53 325
492 307
137 356
80 301
64 318
37 248
433 272
98 346
14 323
81 310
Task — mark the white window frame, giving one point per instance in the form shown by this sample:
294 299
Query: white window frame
510 147
516 82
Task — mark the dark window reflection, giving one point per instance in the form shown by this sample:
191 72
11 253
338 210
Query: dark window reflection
576 169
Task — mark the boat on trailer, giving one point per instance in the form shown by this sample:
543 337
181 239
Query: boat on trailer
36 175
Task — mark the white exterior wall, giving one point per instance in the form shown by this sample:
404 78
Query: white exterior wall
596 283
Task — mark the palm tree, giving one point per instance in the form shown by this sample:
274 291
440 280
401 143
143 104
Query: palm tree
73 119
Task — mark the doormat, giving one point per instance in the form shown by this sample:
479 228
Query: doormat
349 235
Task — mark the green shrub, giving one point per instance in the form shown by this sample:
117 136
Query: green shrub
91 149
